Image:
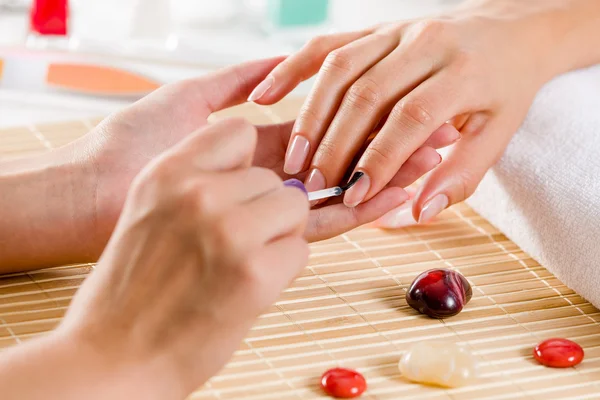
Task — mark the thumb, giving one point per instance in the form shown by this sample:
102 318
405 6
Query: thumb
225 145
459 175
227 87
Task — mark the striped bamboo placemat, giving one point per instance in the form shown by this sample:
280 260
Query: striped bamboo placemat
348 308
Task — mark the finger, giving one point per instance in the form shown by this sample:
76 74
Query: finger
368 100
237 187
332 220
225 145
271 146
280 262
341 68
459 175
271 216
300 66
409 125
399 217
230 86
459 121
188 103
444 136
418 164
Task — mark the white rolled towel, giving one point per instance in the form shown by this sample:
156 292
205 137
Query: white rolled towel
544 194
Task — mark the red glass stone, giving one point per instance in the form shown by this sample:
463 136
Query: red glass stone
49 17
439 293
558 353
343 383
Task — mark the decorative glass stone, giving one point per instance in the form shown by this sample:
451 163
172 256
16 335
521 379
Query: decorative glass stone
439 293
558 353
440 364
343 383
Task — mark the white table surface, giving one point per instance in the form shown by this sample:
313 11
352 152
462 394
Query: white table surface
222 45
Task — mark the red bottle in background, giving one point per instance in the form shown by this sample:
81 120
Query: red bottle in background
49 17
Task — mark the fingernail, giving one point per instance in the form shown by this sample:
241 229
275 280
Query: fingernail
440 158
457 138
295 156
399 217
433 207
296 184
261 89
316 181
356 194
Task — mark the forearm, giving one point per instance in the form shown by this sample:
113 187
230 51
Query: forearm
562 34
46 209
63 368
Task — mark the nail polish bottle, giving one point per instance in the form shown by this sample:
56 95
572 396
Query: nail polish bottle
297 21
48 24
49 17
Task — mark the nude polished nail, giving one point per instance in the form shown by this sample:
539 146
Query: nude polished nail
433 207
296 155
356 194
261 89
399 217
315 181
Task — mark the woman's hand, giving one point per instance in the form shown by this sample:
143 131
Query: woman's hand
204 244
477 68
332 217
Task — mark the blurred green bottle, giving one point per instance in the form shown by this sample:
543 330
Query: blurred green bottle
284 14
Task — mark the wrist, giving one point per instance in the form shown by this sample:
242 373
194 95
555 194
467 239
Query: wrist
48 203
70 368
119 375
550 34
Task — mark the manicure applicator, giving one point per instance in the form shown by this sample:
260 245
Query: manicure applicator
325 193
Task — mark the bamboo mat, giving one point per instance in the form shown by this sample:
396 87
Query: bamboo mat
348 308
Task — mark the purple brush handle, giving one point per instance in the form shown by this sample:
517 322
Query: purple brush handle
295 183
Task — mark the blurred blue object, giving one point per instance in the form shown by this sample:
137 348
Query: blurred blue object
294 13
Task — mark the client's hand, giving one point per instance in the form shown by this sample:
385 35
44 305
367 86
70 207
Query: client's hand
204 244
477 67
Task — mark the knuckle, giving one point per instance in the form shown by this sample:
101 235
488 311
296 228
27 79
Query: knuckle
380 155
309 114
317 44
365 95
162 174
203 198
414 112
224 233
250 272
338 62
326 152
238 126
469 182
431 28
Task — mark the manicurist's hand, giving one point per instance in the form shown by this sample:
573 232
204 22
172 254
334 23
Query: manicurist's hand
476 68
204 244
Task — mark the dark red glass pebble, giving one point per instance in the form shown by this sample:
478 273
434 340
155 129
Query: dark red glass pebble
558 353
439 293
343 383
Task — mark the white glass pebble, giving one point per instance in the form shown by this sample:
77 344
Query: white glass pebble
438 363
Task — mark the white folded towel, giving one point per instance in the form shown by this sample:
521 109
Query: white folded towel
545 192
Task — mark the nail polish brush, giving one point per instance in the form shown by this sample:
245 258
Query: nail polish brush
325 193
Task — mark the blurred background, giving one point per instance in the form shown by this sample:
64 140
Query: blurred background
64 59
